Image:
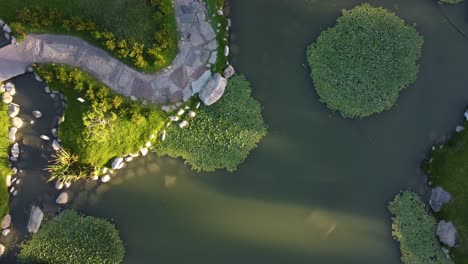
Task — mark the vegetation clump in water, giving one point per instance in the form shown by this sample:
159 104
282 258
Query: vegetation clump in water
73 238
360 65
223 134
448 168
415 229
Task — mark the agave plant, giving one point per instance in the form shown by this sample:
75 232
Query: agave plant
66 168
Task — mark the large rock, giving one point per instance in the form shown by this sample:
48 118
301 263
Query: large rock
117 163
62 198
55 145
7 98
10 88
447 233
12 134
6 221
13 110
35 219
17 122
213 90
439 197
229 72
198 85
2 249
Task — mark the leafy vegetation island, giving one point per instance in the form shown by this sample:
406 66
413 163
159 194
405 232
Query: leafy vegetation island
415 230
360 65
73 238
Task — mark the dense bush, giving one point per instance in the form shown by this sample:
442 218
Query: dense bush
415 229
134 52
448 168
73 238
106 125
360 65
4 162
221 135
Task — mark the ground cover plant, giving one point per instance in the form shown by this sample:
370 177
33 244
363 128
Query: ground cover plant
415 230
448 168
222 35
142 34
221 135
73 238
4 162
105 125
360 65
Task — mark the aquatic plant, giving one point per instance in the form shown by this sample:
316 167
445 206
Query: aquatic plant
360 65
415 230
450 1
66 168
75 239
221 135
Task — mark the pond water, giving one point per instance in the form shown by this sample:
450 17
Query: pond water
317 187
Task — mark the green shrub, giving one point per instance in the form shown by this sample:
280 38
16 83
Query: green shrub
360 65
221 135
415 229
73 238
106 125
448 168
4 162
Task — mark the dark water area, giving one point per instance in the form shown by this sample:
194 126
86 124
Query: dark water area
317 187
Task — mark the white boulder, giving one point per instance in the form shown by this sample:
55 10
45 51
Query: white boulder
13 110
228 72
35 219
148 144
226 51
105 178
5 232
6 221
36 114
15 151
163 135
144 151
117 163
10 88
192 114
174 118
7 98
6 28
213 90
67 184
44 137
12 134
183 124
62 198
128 159
58 185
17 122
55 145
2 250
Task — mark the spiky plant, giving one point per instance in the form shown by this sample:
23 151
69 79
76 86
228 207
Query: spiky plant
65 167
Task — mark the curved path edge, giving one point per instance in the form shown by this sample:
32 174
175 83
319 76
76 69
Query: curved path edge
186 76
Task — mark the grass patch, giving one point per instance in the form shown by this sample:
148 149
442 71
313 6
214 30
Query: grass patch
221 36
106 125
448 168
73 238
360 65
415 229
149 26
4 161
221 135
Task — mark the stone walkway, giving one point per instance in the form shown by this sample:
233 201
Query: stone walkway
187 75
